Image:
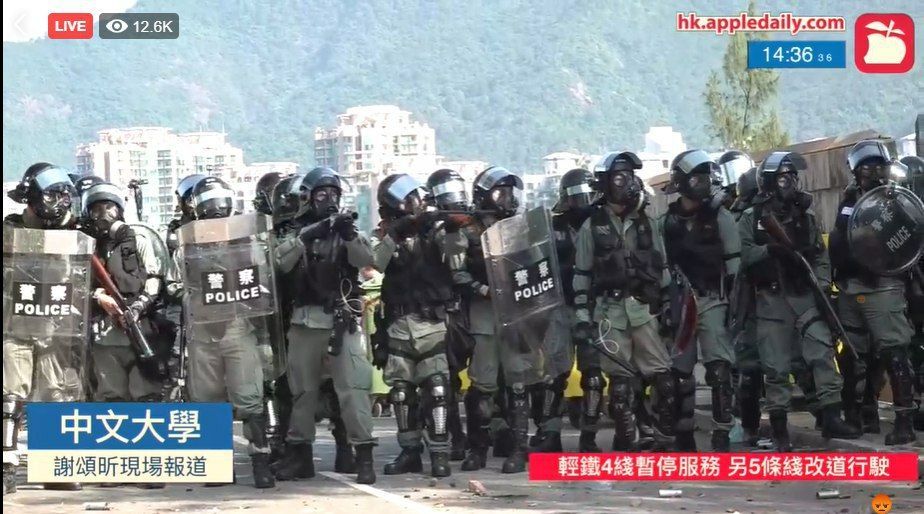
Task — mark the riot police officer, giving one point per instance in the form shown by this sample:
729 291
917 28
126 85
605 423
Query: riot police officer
703 251
495 191
915 182
324 257
120 374
263 198
575 200
732 165
416 287
39 362
185 208
872 306
619 268
225 360
788 321
446 191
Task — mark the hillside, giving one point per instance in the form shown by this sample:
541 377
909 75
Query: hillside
504 81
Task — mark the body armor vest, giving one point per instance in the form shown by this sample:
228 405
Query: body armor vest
693 243
320 274
564 247
635 272
124 266
843 263
801 229
416 279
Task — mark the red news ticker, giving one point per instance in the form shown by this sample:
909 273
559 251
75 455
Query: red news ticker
710 467
70 25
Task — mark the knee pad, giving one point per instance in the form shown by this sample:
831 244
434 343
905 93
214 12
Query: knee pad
437 386
592 380
749 384
622 395
12 415
718 373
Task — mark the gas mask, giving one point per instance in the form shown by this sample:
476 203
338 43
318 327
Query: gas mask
413 204
622 189
102 216
787 184
699 186
325 201
872 174
504 200
53 204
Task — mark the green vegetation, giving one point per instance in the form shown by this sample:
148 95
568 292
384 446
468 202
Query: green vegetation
505 81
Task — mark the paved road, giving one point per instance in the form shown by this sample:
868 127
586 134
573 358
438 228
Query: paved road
330 493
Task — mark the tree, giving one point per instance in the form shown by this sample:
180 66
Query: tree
742 102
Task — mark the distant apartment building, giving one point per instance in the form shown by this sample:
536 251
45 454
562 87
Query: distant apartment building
662 144
369 143
161 158
542 188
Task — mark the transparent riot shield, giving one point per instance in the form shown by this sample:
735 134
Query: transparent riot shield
523 273
46 303
886 230
228 274
157 245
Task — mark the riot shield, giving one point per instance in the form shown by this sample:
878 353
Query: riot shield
156 243
522 268
46 300
228 274
886 230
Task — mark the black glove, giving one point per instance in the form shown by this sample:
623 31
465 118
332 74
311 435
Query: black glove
584 331
314 231
345 225
402 227
154 368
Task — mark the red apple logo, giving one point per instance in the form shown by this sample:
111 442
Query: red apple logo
884 43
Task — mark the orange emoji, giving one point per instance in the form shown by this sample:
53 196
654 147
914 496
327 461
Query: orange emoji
881 504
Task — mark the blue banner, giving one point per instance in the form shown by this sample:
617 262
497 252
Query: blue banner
797 54
129 426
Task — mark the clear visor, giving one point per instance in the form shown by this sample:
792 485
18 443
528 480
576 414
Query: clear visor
402 187
213 194
734 169
52 176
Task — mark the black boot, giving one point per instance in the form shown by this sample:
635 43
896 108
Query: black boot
478 407
344 461
718 376
588 442
875 379
408 461
853 370
779 427
685 388
834 427
365 468
548 442
622 410
504 441
644 421
262 476
439 464
901 378
666 409
749 388
255 431
518 407
298 462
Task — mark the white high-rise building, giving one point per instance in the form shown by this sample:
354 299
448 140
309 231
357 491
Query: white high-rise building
662 144
161 158
244 181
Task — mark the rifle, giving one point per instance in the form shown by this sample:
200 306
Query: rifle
146 356
776 231
683 310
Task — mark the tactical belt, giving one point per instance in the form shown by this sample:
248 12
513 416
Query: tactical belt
429 312
438 350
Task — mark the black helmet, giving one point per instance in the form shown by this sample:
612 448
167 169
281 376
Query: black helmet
317 178
446 190
212 198
914 179
732 165
263 196
693 175
85 182
614 178
575 191
778 174
184 194
284 200
870 164
103 205
48 190
400 194
747 190
497 189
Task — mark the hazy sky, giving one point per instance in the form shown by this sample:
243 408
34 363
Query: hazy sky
25 20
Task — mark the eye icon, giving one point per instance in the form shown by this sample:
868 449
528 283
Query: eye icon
116 26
